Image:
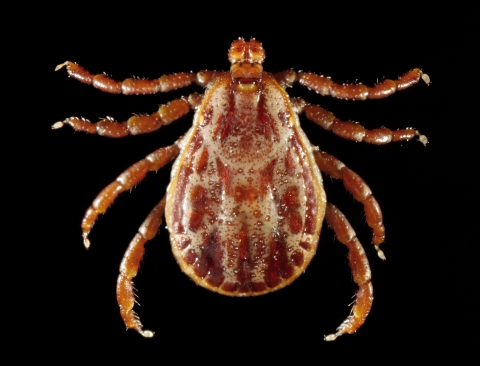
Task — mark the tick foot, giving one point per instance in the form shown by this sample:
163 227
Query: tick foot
422 138
380 253
146 333
57 125
331 337
426 78
58 67
86 241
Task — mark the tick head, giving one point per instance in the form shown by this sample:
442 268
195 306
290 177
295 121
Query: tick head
246 59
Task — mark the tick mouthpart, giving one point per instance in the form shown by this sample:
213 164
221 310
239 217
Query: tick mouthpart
246 86
246 70
241 51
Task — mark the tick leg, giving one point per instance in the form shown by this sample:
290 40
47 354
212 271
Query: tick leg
360 191
131 264
136 125
139 86
354 131
127 180
325 86
129 86
360 271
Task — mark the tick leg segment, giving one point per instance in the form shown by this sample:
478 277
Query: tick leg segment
205 77
139 86
131 264
286 78
136 125
127 180
355 131
360 191
360 271
325 86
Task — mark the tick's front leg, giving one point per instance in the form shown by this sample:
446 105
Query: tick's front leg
129 86
325 86
131 264
358 262
127 180
139 86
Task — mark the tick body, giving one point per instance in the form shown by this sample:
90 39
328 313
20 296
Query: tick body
246 201
245 204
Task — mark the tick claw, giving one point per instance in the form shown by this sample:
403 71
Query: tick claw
57 125
426 79
423 139
330 337
146 333
380 253
58 67
86 242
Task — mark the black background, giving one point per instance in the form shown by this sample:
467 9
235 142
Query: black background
424 303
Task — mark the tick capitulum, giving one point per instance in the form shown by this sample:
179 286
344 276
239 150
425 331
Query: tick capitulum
246 202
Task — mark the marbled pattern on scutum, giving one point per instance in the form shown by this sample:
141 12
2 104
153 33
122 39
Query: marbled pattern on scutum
246 197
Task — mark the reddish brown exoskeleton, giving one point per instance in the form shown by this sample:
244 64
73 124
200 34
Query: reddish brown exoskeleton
246 202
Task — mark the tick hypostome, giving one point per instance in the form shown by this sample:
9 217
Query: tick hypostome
246 202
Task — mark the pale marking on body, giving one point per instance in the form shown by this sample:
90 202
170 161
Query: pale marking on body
234 214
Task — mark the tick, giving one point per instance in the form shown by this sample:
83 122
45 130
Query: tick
246 203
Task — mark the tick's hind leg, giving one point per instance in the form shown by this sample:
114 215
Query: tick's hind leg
127 180
360 191
358 262
131 264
